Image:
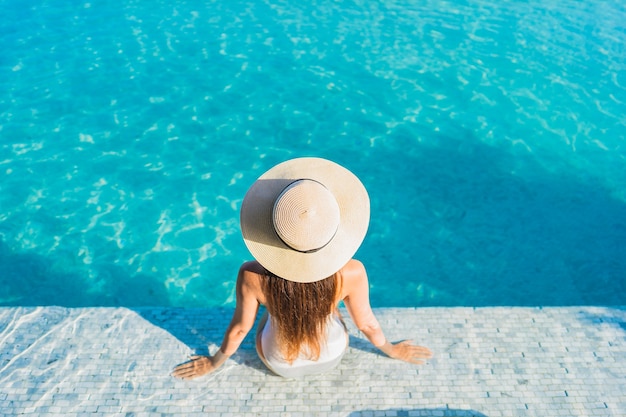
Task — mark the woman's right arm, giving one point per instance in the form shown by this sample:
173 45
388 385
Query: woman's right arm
247 293
356 299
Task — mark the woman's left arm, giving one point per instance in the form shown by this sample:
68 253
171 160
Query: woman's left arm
240 325
358 305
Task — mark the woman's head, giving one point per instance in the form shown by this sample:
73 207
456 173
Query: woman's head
305 218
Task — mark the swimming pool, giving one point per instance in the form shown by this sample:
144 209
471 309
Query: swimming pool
490 135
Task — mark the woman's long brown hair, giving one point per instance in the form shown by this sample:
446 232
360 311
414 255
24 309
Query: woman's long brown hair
300 312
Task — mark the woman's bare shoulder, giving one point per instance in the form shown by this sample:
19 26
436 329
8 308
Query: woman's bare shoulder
250 274
353 269
353 275
253 267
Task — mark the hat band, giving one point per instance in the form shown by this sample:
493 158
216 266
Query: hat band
309 250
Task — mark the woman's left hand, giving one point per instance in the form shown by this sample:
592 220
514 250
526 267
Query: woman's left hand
197 366
408 352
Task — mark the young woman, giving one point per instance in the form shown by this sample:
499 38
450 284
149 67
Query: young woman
302 220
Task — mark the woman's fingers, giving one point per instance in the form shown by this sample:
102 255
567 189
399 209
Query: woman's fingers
409 352
192 369
183 371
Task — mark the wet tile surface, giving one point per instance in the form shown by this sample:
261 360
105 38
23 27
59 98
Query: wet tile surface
488 362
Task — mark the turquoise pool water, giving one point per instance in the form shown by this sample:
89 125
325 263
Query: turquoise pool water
491 137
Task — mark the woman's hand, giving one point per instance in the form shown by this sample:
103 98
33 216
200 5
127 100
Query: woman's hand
408 352
197 366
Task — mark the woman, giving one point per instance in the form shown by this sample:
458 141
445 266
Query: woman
302 220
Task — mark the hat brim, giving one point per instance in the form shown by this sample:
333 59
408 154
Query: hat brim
270 251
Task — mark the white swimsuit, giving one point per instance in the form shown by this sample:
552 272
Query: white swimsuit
331 352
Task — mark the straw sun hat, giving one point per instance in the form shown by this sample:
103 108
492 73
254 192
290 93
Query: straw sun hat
305 218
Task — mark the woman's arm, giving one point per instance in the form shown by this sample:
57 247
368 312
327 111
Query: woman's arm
241 323
356 299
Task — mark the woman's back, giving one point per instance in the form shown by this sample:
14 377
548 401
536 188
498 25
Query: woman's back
299 313
351 287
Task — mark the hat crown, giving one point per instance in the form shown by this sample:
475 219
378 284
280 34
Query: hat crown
306 215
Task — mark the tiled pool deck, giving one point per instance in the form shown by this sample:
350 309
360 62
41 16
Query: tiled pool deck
489 362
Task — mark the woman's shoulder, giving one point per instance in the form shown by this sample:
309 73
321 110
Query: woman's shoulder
353 276
252 267
353 269
249 278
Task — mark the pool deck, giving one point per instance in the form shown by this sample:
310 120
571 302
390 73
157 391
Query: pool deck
493 361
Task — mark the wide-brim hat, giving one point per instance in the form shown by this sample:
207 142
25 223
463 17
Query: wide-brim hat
305 218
